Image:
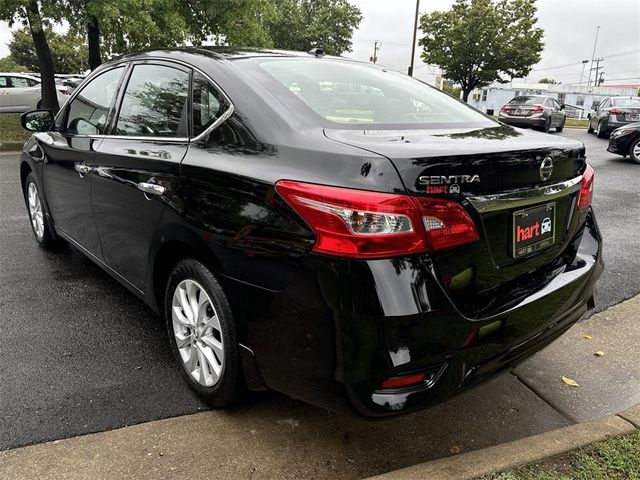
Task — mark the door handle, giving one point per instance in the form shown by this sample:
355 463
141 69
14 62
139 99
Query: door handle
82 169
151 188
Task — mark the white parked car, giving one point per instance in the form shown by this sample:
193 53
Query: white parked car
20 93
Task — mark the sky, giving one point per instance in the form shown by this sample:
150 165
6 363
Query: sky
570 30
569 25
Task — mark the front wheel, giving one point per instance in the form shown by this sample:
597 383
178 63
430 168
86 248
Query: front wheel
634 150
202 333
35 207
589 127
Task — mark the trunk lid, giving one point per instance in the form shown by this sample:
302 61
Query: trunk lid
501 176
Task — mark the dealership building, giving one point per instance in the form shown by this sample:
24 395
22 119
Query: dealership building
579 100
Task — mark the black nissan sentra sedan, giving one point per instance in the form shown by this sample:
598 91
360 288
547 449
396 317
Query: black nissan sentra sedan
322 227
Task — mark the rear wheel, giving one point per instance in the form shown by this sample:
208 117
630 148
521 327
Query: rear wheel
547 126
202 333
634 150
37 219
600 132
589 127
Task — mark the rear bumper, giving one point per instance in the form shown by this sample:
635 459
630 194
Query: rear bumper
536 122
342 327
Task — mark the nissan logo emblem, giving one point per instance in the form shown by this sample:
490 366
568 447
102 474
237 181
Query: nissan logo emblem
546 169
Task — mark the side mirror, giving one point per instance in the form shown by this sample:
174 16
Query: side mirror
562 106
37 120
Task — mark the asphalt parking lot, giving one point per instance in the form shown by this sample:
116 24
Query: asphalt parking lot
79 354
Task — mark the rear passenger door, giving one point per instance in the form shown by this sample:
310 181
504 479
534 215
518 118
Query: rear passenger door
4 94
137 165
24 94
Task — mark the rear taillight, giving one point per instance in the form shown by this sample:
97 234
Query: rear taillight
586 188
505 109
615 111
538 109
358 223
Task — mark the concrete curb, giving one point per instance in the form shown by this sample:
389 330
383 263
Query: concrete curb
520 452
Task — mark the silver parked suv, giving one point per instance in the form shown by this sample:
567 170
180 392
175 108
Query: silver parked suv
534 111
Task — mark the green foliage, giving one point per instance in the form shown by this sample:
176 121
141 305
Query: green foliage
477 42
547 80
305 24
68 52
615 459
8 64
451 89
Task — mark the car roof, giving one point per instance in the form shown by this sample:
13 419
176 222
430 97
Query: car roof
226 53
23 75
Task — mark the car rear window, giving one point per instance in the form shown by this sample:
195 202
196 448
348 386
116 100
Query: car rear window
526 100
627 102
352 93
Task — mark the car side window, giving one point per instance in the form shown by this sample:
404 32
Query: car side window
88 111
4 82
32 83
18 82
155 103
208 104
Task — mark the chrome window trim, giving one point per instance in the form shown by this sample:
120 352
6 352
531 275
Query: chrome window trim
490 203
129 61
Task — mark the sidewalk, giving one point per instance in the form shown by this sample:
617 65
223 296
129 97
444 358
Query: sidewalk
299 441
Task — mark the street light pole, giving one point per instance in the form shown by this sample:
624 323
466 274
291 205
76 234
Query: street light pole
415 32
584 64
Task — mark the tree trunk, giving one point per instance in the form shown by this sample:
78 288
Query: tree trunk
93 36
465 94
49 94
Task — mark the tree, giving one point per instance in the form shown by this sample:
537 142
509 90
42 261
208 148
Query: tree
36 15
68 52
305 24
8 64
547 80
478 42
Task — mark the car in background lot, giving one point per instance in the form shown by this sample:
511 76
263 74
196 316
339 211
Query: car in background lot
614 112
20 93
534 111
626 141
323 227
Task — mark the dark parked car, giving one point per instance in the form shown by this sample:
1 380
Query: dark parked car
614 112
626 141
534 111
319 226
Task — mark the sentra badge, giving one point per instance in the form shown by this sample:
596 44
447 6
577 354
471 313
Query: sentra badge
446 183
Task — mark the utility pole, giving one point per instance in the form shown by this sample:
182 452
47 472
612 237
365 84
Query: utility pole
597 68
601 79
376 47
415 32
593 55
584 64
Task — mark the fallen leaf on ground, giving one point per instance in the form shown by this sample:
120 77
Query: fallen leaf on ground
455 450
570 382
599 354
587 337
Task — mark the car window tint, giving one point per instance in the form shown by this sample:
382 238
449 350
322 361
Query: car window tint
154 103
208 104
88 112
19 82
3 82
353 93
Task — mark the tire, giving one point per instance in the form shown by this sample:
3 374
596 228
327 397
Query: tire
39 104
561 127
547 126
210 343
589 127
599 131
35 209
634 150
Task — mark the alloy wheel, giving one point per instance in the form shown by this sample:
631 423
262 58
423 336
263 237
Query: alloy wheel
197 333
35 210
636 150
